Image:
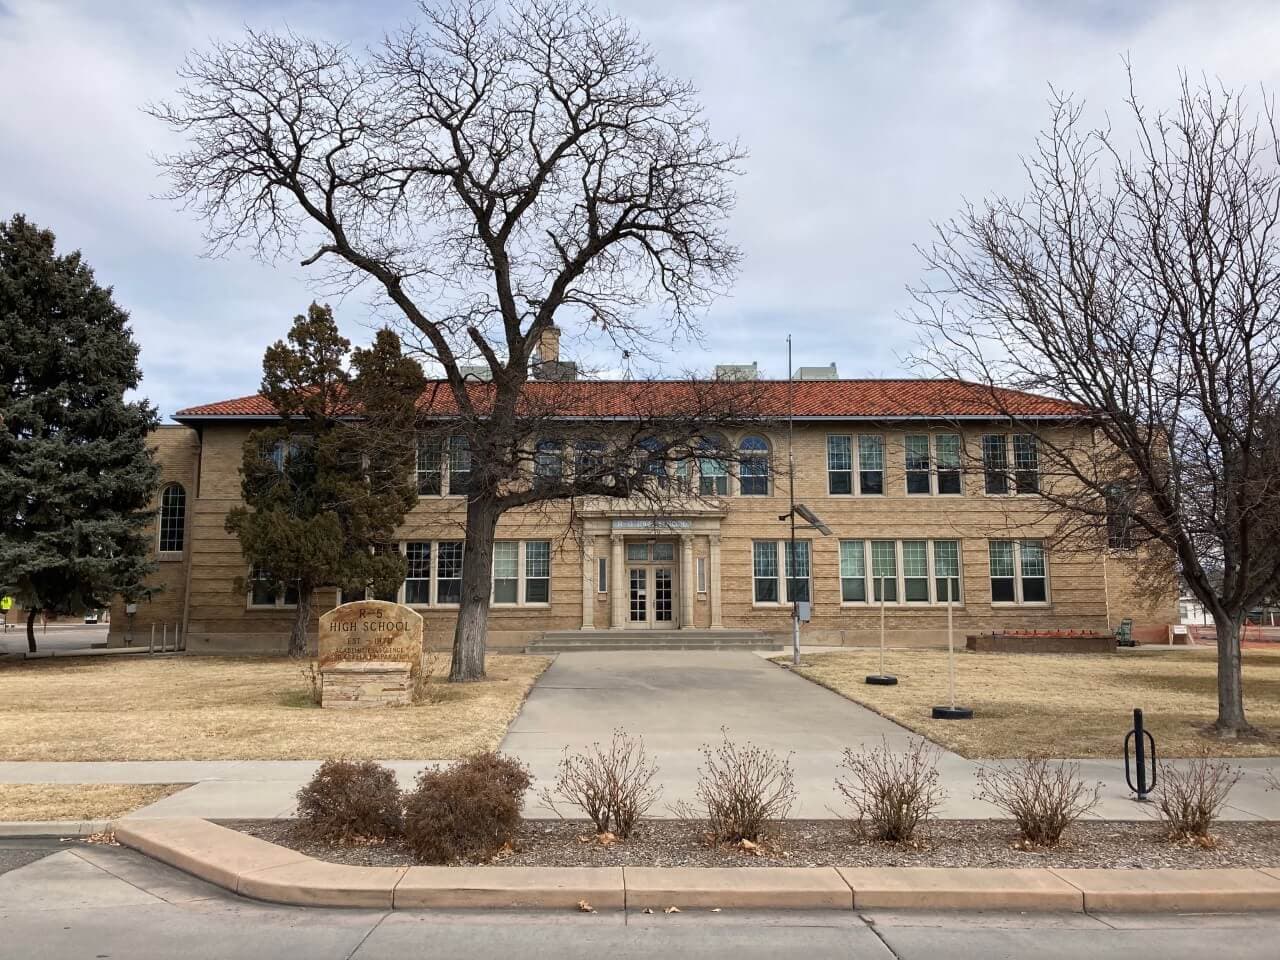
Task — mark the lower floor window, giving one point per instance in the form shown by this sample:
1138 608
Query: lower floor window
510 558
908 571
771 580
1018 571
266 590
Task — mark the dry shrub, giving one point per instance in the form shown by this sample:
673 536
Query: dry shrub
1043 796
315 681
1190 797
350 801
614 787
892 795
425 687
744 789
466 811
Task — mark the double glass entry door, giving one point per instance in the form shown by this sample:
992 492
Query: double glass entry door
651 585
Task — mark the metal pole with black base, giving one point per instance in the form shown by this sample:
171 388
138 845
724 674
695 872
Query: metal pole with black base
882 679
951 712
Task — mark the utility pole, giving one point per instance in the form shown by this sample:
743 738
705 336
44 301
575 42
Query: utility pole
791 483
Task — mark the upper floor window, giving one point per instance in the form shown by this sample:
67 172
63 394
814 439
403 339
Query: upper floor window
947 457
548 461
917 452
935 470
173 518
1018 571
459 466
430 467
1026 463
870 464
995 463
713 477
753 469
1025 476
839 464
653 460
589 459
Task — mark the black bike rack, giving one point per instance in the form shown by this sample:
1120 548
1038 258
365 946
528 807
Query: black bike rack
1142 741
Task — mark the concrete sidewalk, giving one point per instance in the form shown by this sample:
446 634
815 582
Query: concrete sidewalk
676 701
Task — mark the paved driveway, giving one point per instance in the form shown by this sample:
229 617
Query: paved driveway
680 700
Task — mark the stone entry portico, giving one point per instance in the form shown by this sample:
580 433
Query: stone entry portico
674 585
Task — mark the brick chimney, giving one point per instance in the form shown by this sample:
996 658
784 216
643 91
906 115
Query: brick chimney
548 348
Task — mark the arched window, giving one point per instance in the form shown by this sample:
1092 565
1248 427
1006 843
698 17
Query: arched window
173 518
753 468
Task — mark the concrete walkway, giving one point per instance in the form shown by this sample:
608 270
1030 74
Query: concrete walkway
677 702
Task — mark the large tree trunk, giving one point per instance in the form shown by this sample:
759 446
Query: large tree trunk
1231 722
301 620
477 578
31 630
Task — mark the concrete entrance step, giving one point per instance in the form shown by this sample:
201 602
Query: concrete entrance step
563 641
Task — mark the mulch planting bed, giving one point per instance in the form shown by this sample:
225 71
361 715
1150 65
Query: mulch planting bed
817 843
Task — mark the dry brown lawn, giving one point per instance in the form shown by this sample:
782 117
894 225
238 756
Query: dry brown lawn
206 708
1076 706
78 801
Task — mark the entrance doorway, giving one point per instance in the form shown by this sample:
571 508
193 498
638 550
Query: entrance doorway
651 585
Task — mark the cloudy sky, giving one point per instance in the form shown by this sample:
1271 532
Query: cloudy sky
866 120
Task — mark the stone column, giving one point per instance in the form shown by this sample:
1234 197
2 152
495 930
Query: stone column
617 586
686 581
713 581
588 581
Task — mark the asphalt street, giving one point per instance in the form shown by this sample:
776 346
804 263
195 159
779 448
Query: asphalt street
75 901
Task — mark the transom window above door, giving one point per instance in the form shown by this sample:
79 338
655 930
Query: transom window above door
661 551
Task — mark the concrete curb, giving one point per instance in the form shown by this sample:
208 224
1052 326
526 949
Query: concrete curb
53 828
265 871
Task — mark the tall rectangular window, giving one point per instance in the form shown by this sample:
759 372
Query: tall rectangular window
764 571
537 571
870 464
796 573
917 464
1026 463
459 466
884 570
430 461
701 566
713 478
946 570
1003 579
853 571
506 571
915 571
449 571
947 447
1119 501
1032 575
995 463
417 578
839 465
602 575
262 586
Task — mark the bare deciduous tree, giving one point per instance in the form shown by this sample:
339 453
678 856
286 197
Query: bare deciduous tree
488 172
1139 278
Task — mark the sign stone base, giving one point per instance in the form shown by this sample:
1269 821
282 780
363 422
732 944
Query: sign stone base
356 684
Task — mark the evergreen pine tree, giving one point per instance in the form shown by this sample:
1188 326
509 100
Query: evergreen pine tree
325 489
76 477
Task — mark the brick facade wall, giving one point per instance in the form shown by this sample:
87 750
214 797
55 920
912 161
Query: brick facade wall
1089 590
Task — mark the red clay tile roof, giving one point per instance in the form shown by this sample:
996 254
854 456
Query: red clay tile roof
764 398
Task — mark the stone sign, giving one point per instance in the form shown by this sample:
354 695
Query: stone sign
367 630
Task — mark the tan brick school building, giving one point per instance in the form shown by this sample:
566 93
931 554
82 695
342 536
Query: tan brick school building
923 487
